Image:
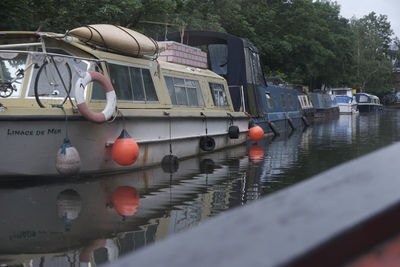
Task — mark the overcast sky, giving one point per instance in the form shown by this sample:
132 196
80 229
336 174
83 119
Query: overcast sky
360 8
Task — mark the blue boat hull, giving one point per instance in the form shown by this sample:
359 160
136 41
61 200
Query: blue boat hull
280 126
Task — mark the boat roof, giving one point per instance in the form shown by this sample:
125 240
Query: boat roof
344 88
369 95
110 56
200 37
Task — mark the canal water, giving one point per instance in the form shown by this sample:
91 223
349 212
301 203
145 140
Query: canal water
98 219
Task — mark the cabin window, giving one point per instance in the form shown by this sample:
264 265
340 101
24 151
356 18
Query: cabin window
283 100
302 101
291 101
184 92
269 100
339 92
218 94
254 74
130 84
11 65
97 89
218 58
363 99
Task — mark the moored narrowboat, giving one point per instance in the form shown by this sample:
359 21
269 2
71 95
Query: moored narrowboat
325 105
139 112
274 108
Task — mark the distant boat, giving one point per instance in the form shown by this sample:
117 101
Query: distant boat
345 99
325 105
368 103
274 108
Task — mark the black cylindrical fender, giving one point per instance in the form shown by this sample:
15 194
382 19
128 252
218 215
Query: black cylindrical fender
207 143
273 128
233 132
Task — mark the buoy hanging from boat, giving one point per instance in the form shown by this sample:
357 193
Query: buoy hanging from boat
68 161
125 150
170 163
233 132
207 143
256 133
125 200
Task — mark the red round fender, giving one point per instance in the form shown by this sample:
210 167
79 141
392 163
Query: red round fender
111 98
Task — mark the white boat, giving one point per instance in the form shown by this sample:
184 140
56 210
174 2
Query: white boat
171 110
368 103
345 100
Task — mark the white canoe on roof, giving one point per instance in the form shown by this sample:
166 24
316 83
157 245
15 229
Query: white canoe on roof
116 38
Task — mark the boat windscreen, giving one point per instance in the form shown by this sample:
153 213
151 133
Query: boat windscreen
218 58
253 67
344 99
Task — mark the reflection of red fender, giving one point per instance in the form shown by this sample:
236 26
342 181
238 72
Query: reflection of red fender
108 90
125 200
256 153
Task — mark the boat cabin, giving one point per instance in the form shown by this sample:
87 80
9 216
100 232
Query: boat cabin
138 82
342 92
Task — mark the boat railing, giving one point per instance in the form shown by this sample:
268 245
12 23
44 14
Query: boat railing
53 79
39 53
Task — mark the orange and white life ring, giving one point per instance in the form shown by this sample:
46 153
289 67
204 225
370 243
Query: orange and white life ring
111 98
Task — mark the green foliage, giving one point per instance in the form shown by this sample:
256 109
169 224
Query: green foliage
305 41
372 64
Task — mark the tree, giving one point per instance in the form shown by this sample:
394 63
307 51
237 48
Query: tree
372 65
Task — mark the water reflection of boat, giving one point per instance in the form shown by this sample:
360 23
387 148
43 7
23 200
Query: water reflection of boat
97 220
345 129
272 158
